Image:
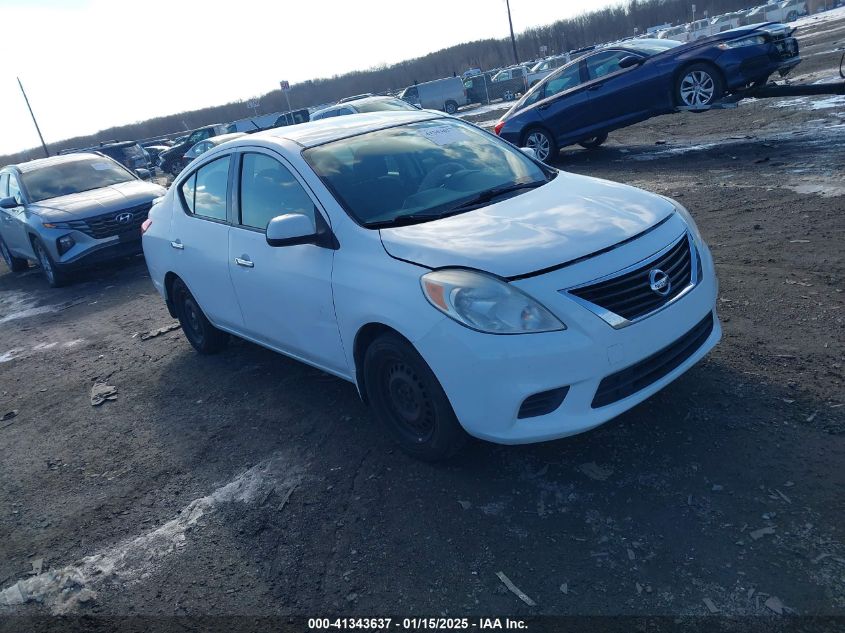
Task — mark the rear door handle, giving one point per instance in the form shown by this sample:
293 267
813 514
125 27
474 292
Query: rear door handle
177 244
246 263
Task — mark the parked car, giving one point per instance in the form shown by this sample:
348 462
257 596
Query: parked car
293 117
545 67
509 83
203 146
441 94
356 97
470 72
71 211
793 9
464 287
128 153
699 29
727 22
676 33
364 104
618 86
171 160
154 151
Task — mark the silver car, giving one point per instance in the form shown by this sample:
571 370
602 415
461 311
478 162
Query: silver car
71 211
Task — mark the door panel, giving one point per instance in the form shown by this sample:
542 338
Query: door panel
564 105
14 231
285 293
618 95
200 239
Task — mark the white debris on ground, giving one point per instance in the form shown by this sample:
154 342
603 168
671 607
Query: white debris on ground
19 305
821 102
819 18
63 590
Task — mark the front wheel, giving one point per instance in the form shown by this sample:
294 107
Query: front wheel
55 277
15 264
408 399
593 141
199 331
542 143
699 85
451 107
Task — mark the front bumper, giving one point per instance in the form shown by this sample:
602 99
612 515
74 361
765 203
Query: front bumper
487 377
753 64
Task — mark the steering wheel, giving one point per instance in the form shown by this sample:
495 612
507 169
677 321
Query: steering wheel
437 177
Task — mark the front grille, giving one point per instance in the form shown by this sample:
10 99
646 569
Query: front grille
629 293
542 403
637 377
107 225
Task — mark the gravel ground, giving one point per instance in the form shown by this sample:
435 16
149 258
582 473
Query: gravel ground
247 483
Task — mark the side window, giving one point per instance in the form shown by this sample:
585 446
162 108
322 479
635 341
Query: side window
14 189
268 189
4 185
205 191
566 80
605 63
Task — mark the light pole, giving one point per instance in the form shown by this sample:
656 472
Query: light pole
37 129
513 39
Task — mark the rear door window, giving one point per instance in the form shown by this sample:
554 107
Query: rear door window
568 79
204 192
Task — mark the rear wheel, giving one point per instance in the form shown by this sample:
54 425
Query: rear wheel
55 277
593 142
451 107
699 85
408 399
542 143
15 264
199 331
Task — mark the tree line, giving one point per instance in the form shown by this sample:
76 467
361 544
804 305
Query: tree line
603 25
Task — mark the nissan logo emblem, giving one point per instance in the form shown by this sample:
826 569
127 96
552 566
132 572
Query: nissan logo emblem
123 218
659 282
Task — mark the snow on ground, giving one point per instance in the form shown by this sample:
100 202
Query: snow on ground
819 18
811 103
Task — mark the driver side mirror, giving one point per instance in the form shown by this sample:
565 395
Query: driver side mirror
529 151
630 61
291 229
9 203
143 174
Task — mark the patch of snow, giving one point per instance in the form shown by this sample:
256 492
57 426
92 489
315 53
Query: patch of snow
12 354
819 18
808 103
673 151
62 590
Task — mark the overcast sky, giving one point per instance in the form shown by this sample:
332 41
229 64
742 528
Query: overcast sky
90 64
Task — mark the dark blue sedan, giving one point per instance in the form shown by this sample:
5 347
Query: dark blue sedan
620 85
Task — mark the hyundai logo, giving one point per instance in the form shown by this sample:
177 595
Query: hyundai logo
659 282
123 218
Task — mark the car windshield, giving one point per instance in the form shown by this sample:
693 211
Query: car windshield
651 47
421 171
62 179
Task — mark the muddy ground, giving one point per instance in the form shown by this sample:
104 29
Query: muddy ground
247 483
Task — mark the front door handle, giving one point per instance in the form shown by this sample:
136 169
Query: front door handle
177 244
595 86
246 263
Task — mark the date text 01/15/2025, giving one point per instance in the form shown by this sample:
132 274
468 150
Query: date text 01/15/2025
416 624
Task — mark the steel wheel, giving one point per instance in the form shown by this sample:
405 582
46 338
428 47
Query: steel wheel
408 401
201 334
697 88
540 143
54 278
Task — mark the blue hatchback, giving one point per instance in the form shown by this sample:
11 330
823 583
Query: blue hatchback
623 84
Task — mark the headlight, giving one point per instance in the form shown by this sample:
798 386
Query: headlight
686 216
752 40
487 304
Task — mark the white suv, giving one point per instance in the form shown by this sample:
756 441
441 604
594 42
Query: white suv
463 286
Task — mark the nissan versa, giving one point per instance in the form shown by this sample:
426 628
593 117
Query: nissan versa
464 287
71 211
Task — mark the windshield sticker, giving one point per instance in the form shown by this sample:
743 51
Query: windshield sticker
100 166
443 135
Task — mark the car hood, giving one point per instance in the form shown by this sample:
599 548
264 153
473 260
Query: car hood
568 218
97 201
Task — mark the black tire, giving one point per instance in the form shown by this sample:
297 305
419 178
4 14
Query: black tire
547 149
15 264
699 85
54 275
593 142
199 331
407 398
451 107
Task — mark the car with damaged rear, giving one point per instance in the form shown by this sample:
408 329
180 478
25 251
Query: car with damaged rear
69 212
464 287
623 84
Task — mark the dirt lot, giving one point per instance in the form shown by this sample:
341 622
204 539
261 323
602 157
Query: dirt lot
247 483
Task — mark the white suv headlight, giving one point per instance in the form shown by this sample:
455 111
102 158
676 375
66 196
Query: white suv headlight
485 303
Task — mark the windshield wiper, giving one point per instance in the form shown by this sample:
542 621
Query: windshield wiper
495 192
467 205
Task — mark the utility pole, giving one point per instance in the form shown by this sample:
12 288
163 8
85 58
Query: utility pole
37 129
513 39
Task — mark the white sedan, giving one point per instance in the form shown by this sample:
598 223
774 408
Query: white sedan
464 287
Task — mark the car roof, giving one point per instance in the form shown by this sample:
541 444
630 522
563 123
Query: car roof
323 131
38 163
222 138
